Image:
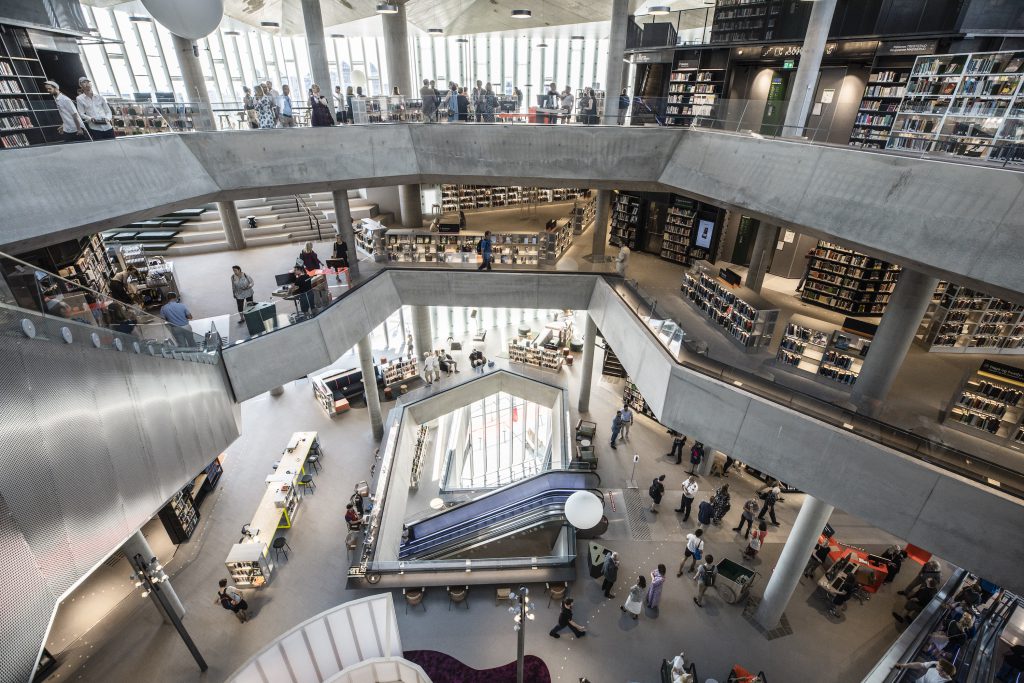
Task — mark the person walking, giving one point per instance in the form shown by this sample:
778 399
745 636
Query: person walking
771 496
485 247
241 289
249 107
611 573
694 550
917 601
231 599
72 128
94 111
656 491
431 371
320 113
930 570
678 442
623 106
756 541
657 581
616 427
686 502
720 504
705 513
635 600
747 516
339 105
705 577
565 621
627 421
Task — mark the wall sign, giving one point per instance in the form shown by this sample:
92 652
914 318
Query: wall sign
654 57
688 64
1007 372
915 47
705 230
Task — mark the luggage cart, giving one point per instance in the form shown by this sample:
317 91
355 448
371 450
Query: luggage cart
733 581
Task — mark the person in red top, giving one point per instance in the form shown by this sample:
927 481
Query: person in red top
756 541
352 517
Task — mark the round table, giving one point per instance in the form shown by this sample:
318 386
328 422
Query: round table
584 443
437 504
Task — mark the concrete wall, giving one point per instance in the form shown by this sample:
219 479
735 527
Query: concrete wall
959 221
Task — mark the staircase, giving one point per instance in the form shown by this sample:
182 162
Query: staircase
278 220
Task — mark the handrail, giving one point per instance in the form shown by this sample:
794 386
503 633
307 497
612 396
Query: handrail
301 205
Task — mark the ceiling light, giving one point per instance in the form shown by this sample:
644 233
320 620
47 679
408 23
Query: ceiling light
232 33
435 31
462 40
139 19
386 8
521 14
659 10
270 24
542 44
337 35
577 38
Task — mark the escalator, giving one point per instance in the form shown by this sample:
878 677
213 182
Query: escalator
526 517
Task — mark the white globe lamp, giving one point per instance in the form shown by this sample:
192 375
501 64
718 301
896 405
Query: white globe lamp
584 510
190 19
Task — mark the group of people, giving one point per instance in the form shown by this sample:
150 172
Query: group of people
560 105
436 362
87 118
265 107
458 103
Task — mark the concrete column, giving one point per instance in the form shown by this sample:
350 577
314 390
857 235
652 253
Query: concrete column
396 50
343 219
616 51
370 388
138 545
465 318
587 370
604 202
410 206
422 334
903 315
313 20
812 518
704 468
232 226
807 70
195 83
761 259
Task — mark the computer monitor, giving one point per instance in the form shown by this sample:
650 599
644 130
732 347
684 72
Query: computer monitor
283 280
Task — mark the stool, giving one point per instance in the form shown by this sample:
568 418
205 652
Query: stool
568 359
403 389
279 545
225 122
314 461
388 395
306 481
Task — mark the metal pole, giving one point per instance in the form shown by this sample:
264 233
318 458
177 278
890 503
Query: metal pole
521 647
161 600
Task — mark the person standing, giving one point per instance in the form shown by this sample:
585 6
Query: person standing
339 250
301 288
320 113
939 671
266 110
756 541
807 269
686 502
518 95
231 599
623 106
72 128
611 573
339 105
565 621
656 491
178 316
485 247
678 442
249 107
918 600
287 120
585 105
747 517
720 503
431 372
461 106
635 600
694 550
930 570
771 496
696 456
241 289
476 96
817 558
627 421
616 427
308 258
95 111
429 103
566 105
657 581
704 577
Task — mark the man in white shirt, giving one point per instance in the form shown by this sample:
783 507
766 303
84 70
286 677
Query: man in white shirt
567 101
94 111
626 415
72 127
339 105
689 491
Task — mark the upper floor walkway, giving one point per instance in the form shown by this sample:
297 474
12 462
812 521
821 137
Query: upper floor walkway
956 220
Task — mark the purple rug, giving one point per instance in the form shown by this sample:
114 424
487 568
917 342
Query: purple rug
444 668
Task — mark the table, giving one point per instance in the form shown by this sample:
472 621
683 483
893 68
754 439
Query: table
870 575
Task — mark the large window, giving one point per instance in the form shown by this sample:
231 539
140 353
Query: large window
509 439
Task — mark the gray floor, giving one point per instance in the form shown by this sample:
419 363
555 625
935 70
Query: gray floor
131 643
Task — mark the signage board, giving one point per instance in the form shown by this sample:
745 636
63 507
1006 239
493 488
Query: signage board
705 230
653 57
909 47
1007 372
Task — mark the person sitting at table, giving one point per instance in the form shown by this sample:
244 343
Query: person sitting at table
477 360
846 591
353 518
301 288
308 257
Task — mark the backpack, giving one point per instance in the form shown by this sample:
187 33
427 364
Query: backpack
709 575
225 601
653 491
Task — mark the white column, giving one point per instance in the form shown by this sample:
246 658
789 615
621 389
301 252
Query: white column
313 20
195 82
587 374
370 389
811 520
232 226
807 70
410 206
343 219
138 545
616 51
600 237
422 334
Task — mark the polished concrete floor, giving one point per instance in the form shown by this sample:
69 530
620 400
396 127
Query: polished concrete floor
131 642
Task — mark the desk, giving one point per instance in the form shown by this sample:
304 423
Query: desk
870 576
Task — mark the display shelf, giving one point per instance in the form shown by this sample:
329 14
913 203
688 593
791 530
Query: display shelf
692 93
398 370
530 353
30 116
583 216
748 320
677 240
468 197
990 404
625 220
837 356
744 20
632 397
844 280
249 565
180 517
417 458
964 320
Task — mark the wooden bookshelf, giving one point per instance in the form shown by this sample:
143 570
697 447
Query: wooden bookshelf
844 280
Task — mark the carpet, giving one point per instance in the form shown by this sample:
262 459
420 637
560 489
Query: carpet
444 668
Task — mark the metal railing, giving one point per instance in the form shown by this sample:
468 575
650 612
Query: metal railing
314 220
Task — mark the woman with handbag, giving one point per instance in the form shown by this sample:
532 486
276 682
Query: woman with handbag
241 289
635 601
756 541
321 115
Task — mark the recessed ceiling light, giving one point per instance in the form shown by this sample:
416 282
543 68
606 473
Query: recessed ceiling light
435 31
462 40
386 8
542 44
270 24
576 38
521 14
659 10
135 17
337 35
232 33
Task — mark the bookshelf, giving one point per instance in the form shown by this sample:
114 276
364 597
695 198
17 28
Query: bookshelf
467 197
583 216
398 370
877 109
748 320
90 267
965 104
677 240
989 404
744 20
28 114
529 353
692 92
964 320
625 220
417 458
180 517
844 280
249 565
631 397
836 356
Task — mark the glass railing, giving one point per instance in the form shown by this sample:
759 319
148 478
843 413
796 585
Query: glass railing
693 355
138 314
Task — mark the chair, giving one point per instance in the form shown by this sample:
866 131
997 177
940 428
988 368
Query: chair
280 545
306 482
556 592
414 597
502 594
458 594
314 460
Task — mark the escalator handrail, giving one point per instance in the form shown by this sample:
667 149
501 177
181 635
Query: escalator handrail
535 516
